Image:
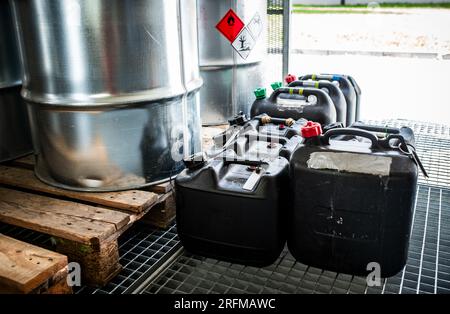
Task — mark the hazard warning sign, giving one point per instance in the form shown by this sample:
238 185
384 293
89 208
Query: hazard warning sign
230 25
244 43
255 26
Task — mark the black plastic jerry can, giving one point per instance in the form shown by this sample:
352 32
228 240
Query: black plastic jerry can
353 202
358 96
263 124
335 93
382 131
347 89
233 210
318 105
261 137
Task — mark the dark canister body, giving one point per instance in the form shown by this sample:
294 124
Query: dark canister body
336 95
352 98
261 137
353 203
317 105
233 210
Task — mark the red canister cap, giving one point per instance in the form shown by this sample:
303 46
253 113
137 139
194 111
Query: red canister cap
311 129
290 78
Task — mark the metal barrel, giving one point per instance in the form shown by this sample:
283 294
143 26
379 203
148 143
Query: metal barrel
15 139
229 77
112 89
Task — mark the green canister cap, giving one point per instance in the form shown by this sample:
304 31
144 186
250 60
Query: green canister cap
260 93
276 85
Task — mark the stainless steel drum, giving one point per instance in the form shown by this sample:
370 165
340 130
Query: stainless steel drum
229 78
112 89
15 139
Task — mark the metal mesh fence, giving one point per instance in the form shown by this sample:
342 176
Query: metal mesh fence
275 26
275 31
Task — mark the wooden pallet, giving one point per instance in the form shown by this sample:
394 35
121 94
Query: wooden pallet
25 268
84 226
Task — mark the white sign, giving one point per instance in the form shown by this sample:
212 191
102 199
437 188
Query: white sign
244 43
255 26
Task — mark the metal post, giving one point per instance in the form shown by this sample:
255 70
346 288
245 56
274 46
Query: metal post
287 12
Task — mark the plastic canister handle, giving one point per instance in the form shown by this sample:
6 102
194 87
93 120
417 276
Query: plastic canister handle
350 131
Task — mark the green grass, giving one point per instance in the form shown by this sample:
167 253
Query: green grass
347 9
441 5
331 11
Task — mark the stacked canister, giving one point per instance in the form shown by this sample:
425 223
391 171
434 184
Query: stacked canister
112 89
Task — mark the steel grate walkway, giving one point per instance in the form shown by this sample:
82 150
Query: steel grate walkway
427 271
141 254
142 251
433 148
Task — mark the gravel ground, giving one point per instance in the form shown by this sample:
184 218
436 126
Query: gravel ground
392 30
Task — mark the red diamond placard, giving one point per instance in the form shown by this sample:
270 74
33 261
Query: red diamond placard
230 25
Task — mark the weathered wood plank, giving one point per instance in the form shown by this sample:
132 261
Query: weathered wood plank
163 214
133 200
26 162
48 204
58 285
64 219
25 267
98 266
162 188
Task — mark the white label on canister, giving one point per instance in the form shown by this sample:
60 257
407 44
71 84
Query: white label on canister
252 181
350 162
295 104
309 84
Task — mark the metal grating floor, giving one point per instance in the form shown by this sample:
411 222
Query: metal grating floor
141 254
433 148
142 251
427 270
